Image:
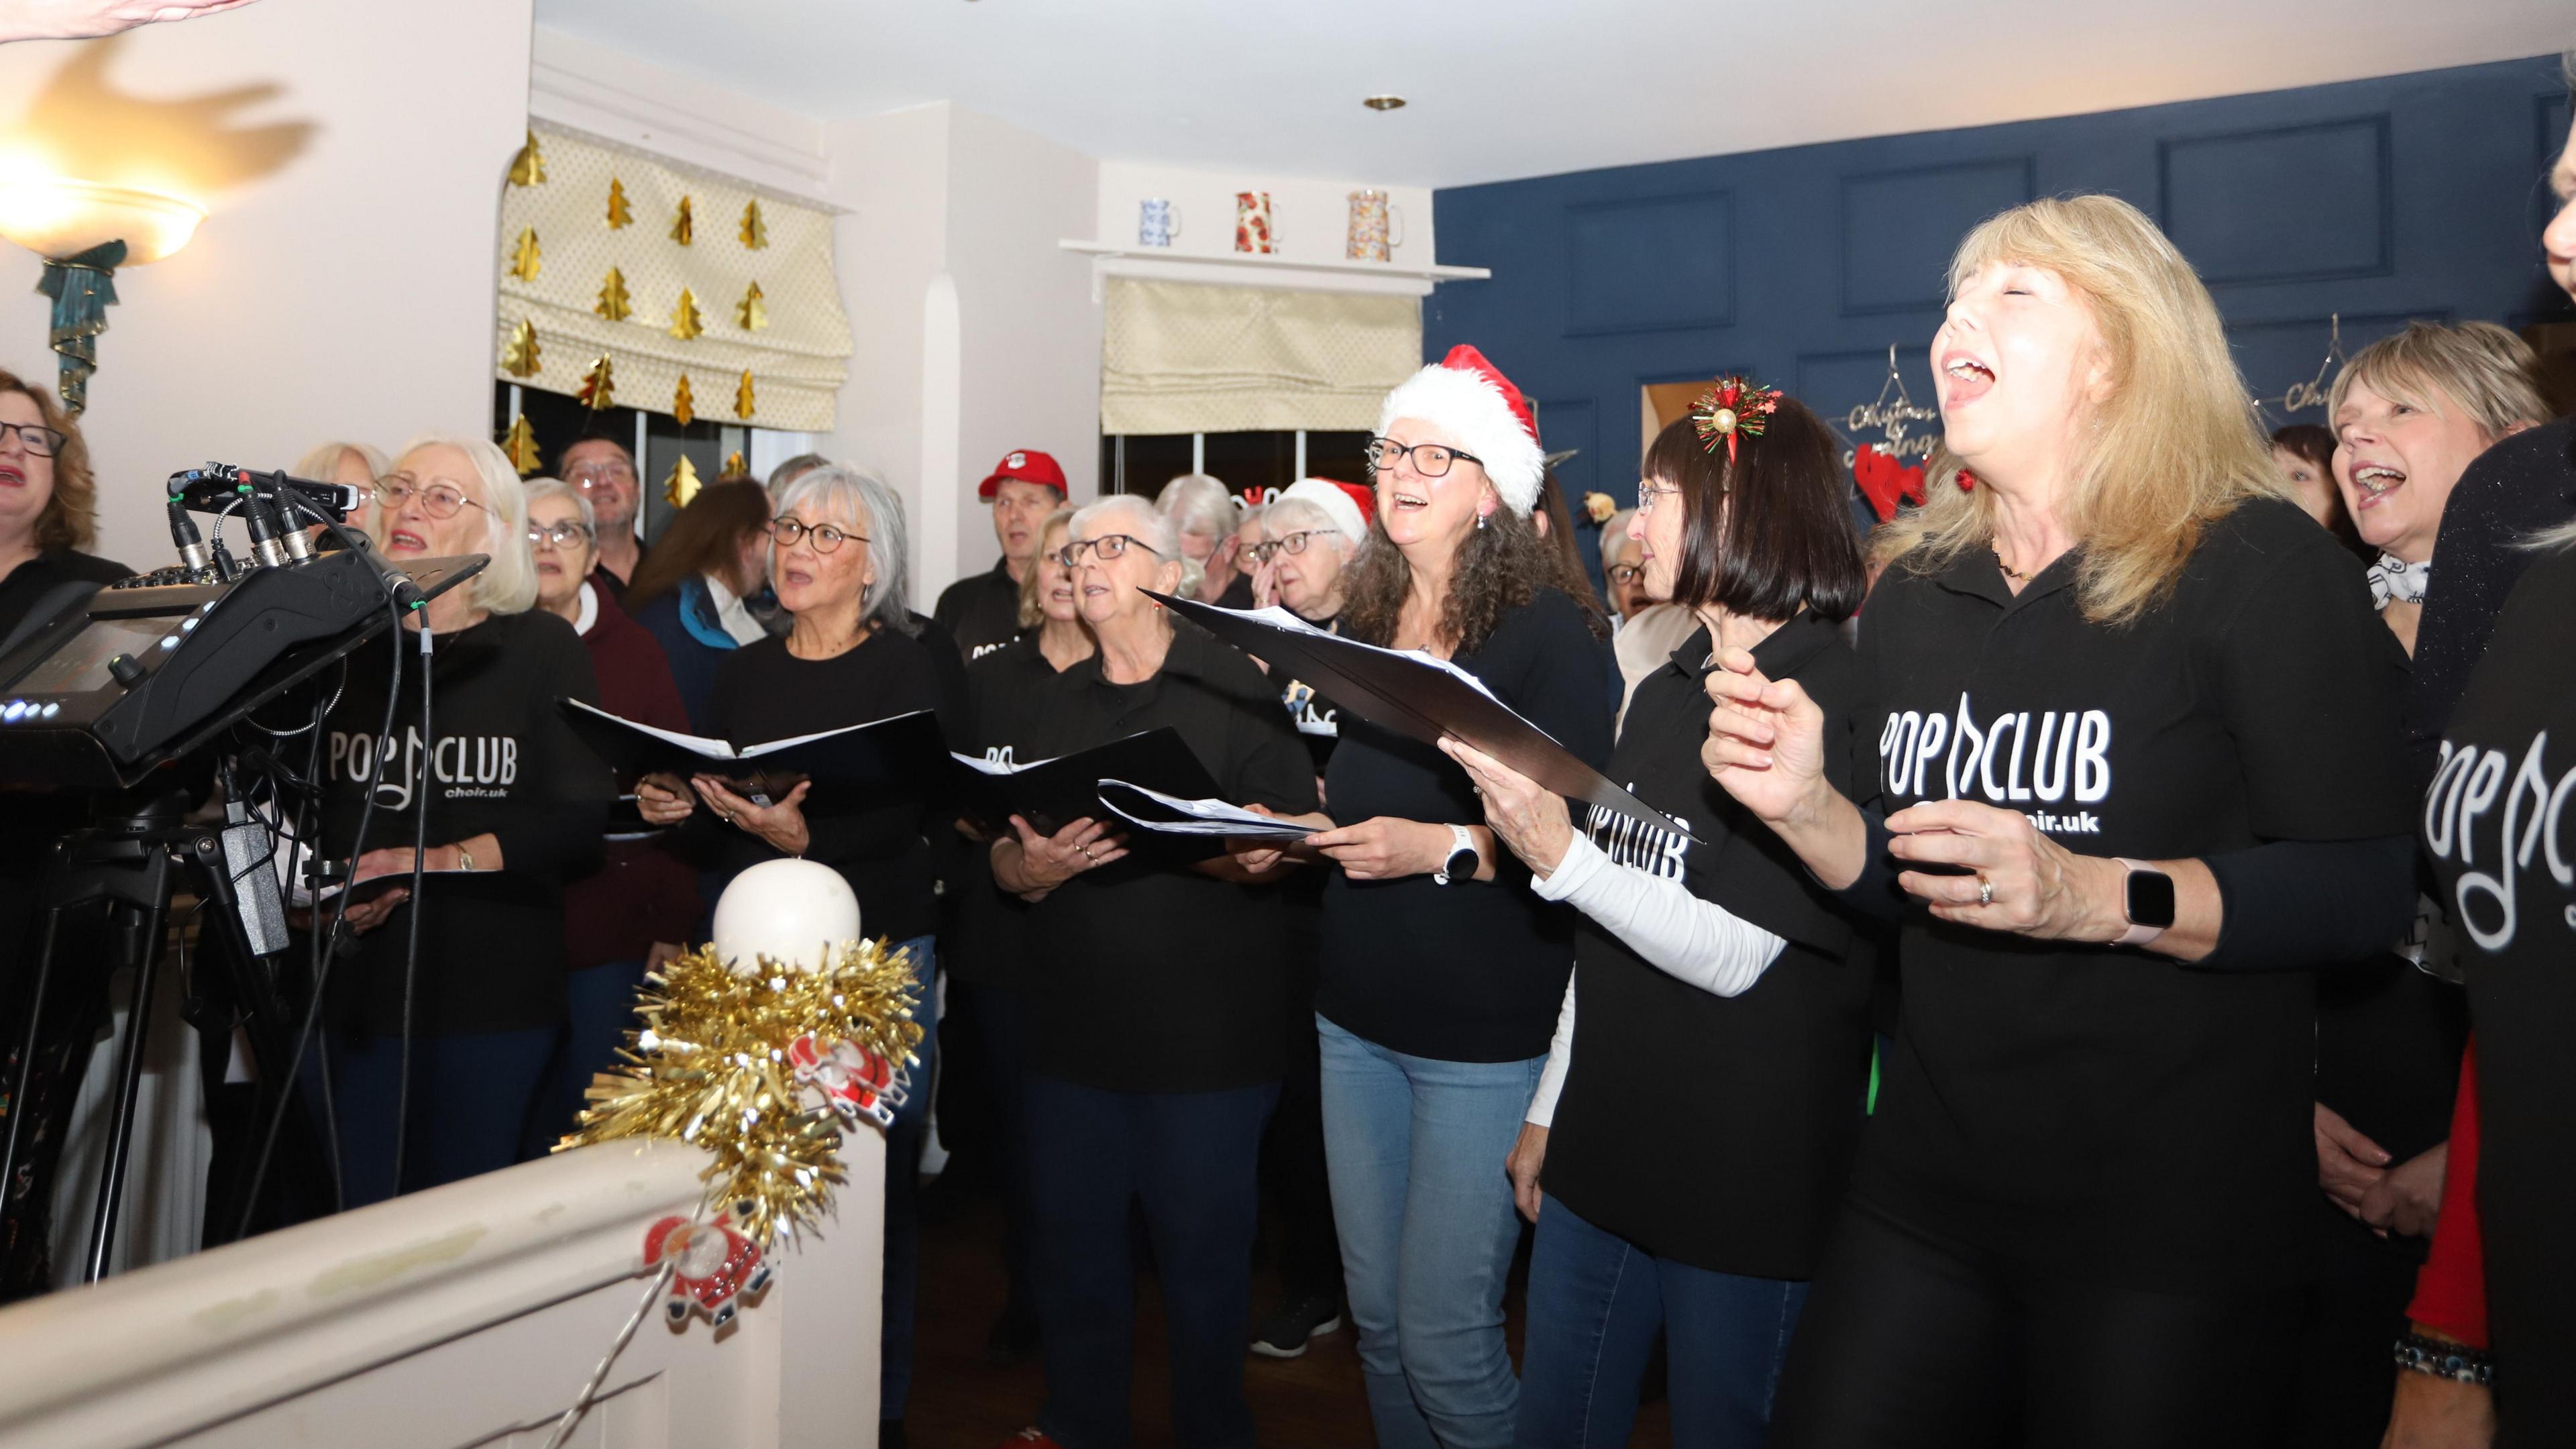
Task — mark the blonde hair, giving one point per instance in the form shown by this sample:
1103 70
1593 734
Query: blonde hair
324 460
508 584
2173 447
1033 613
2477 366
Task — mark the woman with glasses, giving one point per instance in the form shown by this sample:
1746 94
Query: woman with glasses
1154 1001
641 905
514 805
357 465
1704 1091
690 590
852 654
1441 972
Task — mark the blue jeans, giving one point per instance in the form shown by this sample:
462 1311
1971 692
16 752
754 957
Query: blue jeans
1416 1148
602 1011
1190 1160
903 1192
469 1102
1595 1301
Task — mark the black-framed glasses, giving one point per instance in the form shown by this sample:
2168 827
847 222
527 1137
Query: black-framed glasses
1291 544
1626 573
826 538
1431 460
39 440
568 534
1108 545
438 500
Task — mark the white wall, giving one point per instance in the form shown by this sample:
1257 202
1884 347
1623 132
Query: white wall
1310 216
348 292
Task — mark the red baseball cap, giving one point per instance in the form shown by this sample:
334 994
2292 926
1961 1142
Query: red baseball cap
1029 466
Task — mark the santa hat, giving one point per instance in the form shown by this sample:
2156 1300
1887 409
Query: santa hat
1334 501
1479 410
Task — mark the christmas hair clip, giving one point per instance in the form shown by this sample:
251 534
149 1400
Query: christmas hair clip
1733 406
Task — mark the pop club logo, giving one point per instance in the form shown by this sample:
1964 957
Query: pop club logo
1634 843
466 766
2023 759
2461 815
1311 715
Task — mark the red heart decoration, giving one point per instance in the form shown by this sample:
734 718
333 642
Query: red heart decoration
1884 481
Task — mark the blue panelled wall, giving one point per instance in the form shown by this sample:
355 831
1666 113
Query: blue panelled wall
2411 196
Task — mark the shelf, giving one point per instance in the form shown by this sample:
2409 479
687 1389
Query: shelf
1249 269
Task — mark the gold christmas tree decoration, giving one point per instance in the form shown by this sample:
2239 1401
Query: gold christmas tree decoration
742 398
522 357
683 405
682 485
749 314
735 467
524 254
683 230
612 298
528 168
520 443
598 388
685 321
618 215
755 232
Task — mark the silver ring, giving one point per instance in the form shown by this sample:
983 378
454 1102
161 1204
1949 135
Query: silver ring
727 819
1985 891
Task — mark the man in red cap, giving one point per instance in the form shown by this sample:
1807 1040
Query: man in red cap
983 612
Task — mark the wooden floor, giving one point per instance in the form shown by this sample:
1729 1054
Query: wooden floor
961 1402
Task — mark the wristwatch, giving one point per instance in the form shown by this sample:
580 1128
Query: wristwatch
2149 905
1462 861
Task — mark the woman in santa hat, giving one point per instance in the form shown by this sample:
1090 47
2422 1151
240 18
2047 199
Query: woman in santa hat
1441 971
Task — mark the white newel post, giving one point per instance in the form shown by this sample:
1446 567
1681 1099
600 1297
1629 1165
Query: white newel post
471 1314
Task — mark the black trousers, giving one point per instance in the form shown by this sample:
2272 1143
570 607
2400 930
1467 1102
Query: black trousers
1296 1190
1909 1342
2352 1309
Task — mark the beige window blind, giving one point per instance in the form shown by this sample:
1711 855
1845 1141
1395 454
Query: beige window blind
1181 358
761 338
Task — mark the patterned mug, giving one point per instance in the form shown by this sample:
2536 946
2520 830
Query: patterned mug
1157 222
1252 228
1371 239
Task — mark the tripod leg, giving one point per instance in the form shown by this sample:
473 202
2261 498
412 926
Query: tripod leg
129 1078
26 1069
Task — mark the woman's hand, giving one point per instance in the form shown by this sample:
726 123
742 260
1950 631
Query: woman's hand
2034 886
2349 1164
2432 1412
2408 1197
663 800
1529 1154
1258 857
781 825
1385 848
1265 586
1766 742
1531 821
1048 861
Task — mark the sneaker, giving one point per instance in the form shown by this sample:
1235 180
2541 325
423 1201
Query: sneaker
1031 1437
1286 1334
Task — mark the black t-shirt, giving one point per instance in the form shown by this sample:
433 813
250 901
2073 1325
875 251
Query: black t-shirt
2107 1111
1469 972
1238 594
982 612
1160 979
2499 832
765 693
1006 692
31 581
1714 1130
504 762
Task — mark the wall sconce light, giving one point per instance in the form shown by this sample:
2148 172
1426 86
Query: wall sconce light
85 231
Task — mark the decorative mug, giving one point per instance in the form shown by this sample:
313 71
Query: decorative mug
1252 229
1370 239
1157 222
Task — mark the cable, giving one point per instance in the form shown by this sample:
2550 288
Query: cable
419 864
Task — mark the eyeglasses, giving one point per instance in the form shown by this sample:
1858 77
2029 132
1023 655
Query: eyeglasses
1431 460
563 535
41 441
1626 573
1109 545
438 500
591 477
826 538
1653 493
1291 544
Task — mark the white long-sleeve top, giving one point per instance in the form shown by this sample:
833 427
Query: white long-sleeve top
1677 933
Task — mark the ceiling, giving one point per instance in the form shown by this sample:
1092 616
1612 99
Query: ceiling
1512 88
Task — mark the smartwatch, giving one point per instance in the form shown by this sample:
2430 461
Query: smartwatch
2149 904
1462 861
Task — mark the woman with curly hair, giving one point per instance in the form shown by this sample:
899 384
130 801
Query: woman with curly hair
48 506
1441 972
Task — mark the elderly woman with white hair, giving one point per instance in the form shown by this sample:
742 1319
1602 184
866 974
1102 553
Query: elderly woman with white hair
852 653
1161 996
358 465
1209 522
468 985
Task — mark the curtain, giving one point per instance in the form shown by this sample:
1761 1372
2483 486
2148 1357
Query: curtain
1182 358
598 245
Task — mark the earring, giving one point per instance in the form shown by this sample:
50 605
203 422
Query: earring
1480 521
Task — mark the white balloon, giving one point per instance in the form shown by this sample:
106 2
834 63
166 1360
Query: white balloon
794 912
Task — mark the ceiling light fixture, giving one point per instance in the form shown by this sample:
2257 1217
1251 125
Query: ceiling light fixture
1383 103
85 231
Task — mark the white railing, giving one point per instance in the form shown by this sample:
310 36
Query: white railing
471 1314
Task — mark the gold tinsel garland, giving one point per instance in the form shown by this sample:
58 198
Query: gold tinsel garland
713 1064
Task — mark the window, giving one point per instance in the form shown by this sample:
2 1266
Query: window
1247 462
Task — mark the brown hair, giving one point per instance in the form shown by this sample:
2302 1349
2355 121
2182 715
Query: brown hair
2479 368
2314 444
70 516
1769 533
1501 567
1032 613
703 538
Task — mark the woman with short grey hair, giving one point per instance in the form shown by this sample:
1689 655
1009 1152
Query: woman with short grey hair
1207 517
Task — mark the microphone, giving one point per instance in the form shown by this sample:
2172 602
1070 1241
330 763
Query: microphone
193 557
264 526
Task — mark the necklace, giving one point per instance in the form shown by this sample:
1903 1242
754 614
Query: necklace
2014 574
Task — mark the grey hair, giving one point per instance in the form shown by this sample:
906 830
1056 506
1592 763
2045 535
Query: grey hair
1288 515
1197 503
789 471
1614 538
1150 527
324 460
853 494
539 489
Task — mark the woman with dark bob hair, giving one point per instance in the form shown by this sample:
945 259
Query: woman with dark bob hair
689 590
1712 1052
2130 746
